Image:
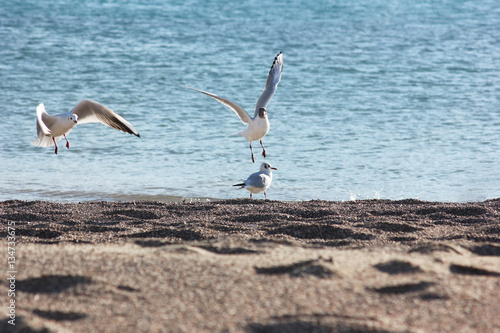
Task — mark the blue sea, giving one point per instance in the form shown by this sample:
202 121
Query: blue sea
378 99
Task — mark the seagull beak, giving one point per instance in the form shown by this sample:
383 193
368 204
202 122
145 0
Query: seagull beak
76 122
274 168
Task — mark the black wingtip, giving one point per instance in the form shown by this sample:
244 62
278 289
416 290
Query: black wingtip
275 60
242 184
137 135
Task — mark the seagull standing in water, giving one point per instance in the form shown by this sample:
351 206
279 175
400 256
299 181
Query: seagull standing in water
259 181
258 125
51 129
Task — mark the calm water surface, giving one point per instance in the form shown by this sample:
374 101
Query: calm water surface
378 99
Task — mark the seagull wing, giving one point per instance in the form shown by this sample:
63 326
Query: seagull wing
244 116
257 179
273 79
43 122
41 117
92 112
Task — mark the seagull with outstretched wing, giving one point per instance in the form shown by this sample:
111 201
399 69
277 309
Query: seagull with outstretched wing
258 125
51 129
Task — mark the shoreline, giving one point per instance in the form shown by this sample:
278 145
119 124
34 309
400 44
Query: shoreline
246 265
76 197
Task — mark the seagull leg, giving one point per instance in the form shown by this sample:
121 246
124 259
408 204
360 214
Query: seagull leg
67 142
265 195
251 150
55 144
263 149
250 195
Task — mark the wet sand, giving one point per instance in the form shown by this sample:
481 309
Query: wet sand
254 266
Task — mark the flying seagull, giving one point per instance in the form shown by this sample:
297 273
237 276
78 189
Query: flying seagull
51 129
258 125
259 181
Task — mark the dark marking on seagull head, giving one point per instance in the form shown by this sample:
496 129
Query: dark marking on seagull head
262 112
267 166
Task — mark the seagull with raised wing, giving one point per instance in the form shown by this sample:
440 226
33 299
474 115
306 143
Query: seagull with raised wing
51 129
258 125
259 181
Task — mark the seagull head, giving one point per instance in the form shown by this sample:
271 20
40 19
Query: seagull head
266 167
73 117
262 112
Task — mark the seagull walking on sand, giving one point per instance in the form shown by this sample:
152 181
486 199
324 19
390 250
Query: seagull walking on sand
51 129
259 181
258 125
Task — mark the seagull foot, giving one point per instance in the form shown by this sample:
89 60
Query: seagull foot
251 151
55 144
67 142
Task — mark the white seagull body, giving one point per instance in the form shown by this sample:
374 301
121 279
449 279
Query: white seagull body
51 129
259 181
258 125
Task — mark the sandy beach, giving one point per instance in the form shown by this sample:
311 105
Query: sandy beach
253 266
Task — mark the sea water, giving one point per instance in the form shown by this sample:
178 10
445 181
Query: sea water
378 99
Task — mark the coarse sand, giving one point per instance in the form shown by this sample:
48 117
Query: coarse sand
253 266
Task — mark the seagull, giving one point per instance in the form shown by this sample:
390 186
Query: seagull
259 181
258 125
51 129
